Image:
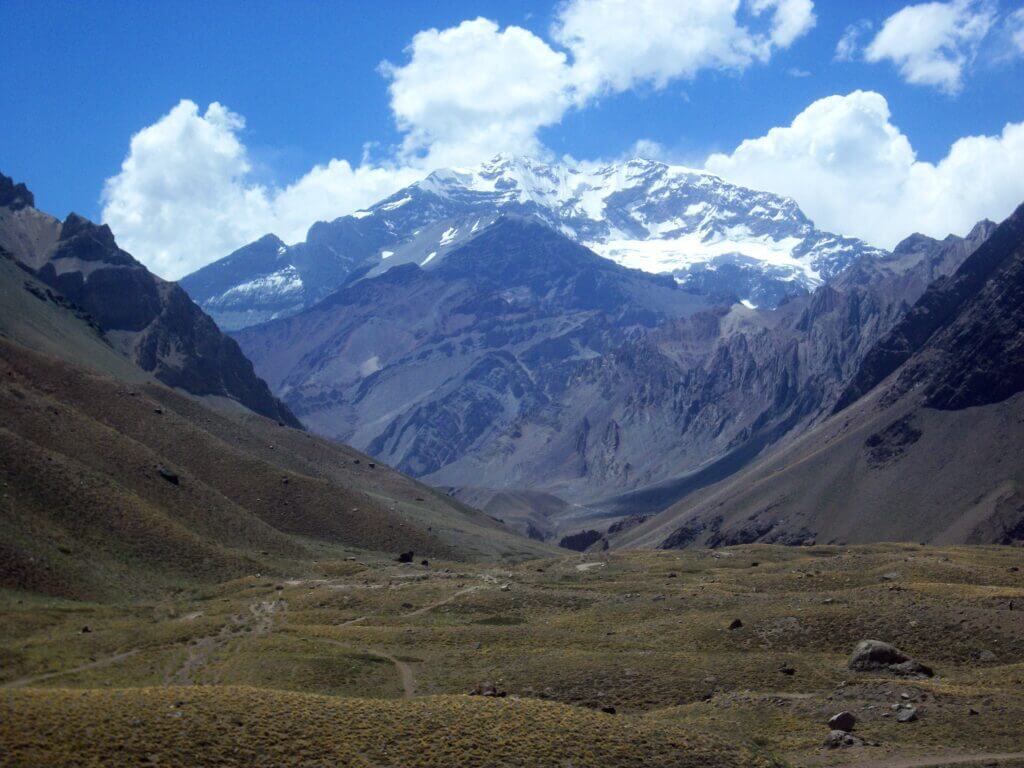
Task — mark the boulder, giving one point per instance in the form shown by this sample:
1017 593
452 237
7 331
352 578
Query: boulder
168 475
844 721
876 656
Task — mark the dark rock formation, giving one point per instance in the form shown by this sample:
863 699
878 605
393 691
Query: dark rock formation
153 322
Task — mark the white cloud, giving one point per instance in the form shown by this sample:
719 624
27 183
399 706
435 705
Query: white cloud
474 90
854 172
933 43
185 195
849 44
619 44
792 19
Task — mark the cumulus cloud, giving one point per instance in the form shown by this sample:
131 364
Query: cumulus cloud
933 43
853 171
619 44
474 90
185 193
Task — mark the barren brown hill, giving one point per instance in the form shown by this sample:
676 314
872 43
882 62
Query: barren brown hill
112 484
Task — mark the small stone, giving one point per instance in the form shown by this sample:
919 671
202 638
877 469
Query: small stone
908 715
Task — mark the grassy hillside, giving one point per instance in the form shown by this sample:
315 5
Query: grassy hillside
368 663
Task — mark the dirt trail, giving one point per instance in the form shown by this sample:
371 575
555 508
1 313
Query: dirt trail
404 672
404 669
418 611
938 761
439 603
259 621
21 682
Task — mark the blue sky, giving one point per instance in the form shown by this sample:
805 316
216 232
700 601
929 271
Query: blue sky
306 77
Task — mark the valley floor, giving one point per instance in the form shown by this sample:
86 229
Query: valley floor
367 662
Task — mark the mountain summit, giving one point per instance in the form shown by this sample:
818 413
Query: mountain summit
715 238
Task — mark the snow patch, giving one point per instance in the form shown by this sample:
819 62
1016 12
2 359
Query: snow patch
369 366
396 204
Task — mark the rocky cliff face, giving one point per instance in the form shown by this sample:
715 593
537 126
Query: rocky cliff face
962 343
152 321
684 405
715 238
927 440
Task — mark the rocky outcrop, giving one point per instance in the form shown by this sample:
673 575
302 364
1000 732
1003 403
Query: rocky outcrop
153 322
15 196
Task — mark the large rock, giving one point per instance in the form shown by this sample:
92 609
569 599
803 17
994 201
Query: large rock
877 656
844 721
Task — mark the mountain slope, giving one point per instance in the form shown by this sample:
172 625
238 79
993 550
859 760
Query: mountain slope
423 367
931 452
151 321
716 238
113 485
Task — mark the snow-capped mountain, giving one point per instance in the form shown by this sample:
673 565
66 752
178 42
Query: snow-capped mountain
715 238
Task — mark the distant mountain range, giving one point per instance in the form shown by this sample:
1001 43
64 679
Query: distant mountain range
524 362
521 370
721 240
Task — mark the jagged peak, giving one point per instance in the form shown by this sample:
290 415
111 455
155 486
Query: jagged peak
15 196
